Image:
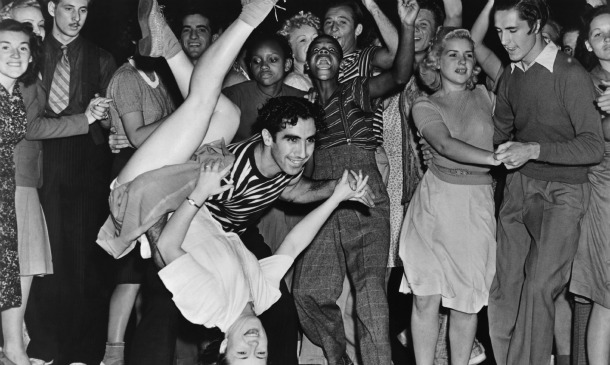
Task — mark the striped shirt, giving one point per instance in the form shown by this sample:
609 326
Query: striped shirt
236 208
359 64
352 99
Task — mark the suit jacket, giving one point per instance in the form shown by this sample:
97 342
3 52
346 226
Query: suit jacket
28 152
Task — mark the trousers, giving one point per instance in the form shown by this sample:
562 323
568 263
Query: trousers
354 241
537 236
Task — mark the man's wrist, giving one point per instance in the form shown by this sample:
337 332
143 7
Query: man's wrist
534 150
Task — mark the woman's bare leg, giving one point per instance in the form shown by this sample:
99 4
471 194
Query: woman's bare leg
183 131
462 328
598 335
12 327
424 327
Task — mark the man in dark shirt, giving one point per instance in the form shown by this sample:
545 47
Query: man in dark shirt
545 100
68 311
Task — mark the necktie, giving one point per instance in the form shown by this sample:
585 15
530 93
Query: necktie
59 97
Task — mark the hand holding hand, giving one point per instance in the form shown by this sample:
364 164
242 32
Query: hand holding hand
211 173
515 154
407 11
97 109
354 190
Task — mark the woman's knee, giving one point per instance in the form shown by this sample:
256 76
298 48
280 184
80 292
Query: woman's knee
426 303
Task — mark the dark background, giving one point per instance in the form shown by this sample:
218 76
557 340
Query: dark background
107 18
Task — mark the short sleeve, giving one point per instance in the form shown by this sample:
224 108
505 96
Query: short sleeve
425 113
266 291
127 93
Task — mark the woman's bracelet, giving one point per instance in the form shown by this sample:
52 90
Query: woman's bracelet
192 202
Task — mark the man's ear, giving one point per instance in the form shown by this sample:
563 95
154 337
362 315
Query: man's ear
358 30
223 346
537 28
267 137
51 8
215 36
287 64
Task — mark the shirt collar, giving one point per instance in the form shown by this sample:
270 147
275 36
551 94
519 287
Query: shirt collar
57 44
546 59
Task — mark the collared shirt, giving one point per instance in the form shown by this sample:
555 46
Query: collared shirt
76 54
546 58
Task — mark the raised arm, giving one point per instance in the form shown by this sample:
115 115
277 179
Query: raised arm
384 57
173 234
453 13
304 232
402 67
490 63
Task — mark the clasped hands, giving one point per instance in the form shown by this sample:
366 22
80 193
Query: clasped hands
512 154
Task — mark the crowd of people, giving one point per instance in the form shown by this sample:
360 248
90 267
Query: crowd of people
236 195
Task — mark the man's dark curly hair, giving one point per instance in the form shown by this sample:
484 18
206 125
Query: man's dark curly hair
283 110
31 74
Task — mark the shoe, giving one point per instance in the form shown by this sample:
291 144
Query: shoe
255 11
4 360
477 355
158 40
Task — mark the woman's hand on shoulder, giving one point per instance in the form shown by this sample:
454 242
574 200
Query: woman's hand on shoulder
211 174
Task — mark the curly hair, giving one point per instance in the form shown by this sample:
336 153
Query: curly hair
259 39
7 11
429 69
31 74
297 21
278 112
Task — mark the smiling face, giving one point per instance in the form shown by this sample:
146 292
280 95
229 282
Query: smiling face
300 39
324 57
33 16
15 56
598 39
456 62
425 28
196 35
268 63
246 341
68 18
340 24
569 42
291 147
516 37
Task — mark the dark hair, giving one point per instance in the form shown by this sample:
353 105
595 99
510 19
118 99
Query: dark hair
437 9
581 53
329 38
31 74
57 1
529 10
278 112
259 39
198 10
353 6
